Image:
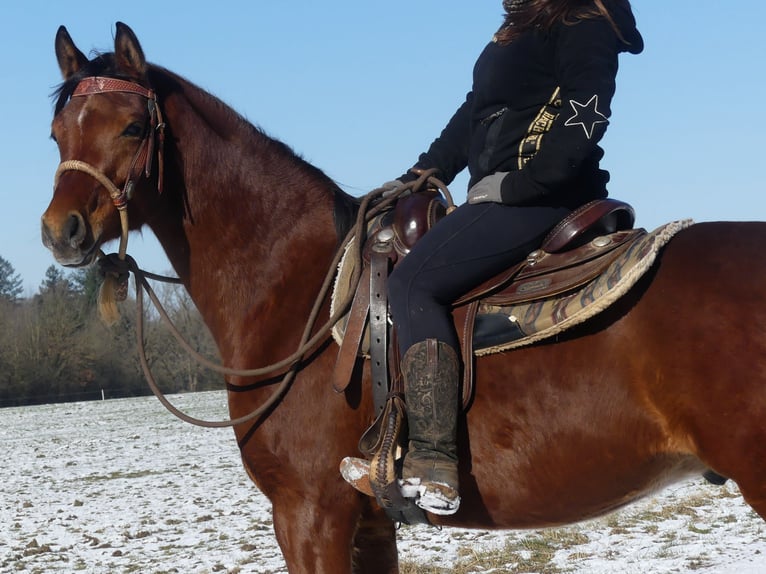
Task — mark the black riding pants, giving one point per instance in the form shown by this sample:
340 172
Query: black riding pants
464 249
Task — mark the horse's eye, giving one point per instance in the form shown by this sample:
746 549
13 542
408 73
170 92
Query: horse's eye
134 130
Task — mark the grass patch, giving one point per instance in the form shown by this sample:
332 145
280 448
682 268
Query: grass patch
697 530
119 475
698 563
532 553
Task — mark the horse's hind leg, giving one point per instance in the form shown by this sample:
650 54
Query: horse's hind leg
375 544
754 493
738 452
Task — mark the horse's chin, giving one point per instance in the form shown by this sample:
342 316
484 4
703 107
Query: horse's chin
76 259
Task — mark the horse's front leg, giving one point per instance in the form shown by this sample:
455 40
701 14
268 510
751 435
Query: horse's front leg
375 543
339 534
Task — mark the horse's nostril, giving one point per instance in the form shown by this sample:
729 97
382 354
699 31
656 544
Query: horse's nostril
45 231
74 230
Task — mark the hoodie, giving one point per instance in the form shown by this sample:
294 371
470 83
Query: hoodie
537 109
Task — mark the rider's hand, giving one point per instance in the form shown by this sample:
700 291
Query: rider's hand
488 189
391 187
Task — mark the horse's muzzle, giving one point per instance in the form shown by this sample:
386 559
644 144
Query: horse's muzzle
66 239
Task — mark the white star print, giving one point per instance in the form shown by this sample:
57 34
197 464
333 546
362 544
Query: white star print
586 115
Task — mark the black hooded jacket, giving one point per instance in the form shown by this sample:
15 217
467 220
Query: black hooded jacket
537 109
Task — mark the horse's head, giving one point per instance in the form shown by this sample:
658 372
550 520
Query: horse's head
106 125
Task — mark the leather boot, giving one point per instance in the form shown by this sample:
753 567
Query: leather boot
431 372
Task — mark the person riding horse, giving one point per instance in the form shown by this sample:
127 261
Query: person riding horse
528 132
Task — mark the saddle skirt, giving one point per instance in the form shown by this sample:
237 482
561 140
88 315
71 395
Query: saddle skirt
502 326
537 298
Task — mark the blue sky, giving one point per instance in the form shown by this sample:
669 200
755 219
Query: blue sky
361 88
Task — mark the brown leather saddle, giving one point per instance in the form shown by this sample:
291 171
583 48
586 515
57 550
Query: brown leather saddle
577 250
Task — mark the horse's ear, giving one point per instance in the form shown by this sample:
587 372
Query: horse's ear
128 53
69 57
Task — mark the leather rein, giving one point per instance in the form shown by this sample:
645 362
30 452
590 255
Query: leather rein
371 205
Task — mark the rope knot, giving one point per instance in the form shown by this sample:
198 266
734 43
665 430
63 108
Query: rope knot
116 271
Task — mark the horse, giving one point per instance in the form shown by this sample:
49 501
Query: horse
666 383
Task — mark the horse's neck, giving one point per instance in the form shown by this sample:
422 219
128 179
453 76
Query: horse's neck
255 229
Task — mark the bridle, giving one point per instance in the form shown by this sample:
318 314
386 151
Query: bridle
143 158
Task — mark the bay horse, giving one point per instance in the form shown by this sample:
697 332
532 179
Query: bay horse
667 383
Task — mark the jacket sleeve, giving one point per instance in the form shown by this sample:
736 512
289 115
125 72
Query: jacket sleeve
449 152
586 68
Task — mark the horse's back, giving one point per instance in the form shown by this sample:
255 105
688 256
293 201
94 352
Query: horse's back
725 252
706 299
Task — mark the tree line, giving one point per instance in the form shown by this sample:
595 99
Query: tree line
55 348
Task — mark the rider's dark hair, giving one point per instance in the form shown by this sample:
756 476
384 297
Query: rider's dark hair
522 15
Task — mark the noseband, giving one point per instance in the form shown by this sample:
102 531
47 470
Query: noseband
142 160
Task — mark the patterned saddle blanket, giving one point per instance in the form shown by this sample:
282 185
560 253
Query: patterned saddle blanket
539 298
501 327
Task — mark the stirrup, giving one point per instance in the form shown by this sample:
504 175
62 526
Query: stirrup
356 471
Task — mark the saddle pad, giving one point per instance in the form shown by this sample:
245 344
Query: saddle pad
501 328
340 292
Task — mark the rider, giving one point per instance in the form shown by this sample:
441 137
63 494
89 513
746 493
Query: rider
528 132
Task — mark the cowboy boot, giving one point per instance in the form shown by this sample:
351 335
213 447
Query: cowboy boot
430 370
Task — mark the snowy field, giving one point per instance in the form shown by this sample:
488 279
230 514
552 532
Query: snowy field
122 486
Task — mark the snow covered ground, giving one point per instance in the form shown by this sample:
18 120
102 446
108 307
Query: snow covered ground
122 486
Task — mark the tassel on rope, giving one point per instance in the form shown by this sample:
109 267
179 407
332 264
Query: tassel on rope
107 301
114 288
